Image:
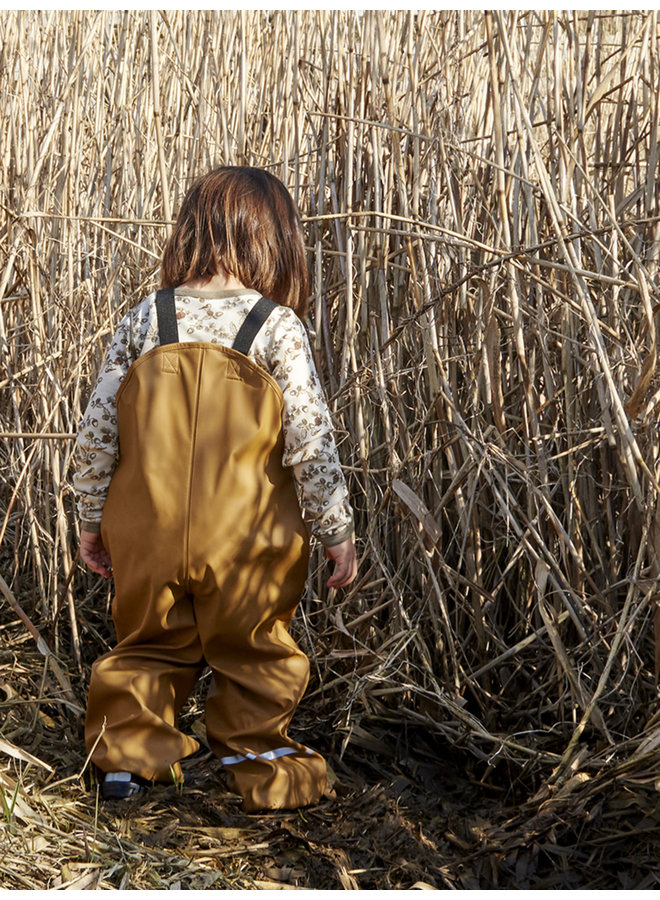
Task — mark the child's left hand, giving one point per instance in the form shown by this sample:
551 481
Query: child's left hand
94 554
344 558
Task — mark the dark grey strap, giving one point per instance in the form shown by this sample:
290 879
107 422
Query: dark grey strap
252 324
168 331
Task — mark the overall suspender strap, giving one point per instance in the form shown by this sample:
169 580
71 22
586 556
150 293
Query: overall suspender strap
168 331
252 324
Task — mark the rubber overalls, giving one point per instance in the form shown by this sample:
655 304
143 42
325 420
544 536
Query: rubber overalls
210 556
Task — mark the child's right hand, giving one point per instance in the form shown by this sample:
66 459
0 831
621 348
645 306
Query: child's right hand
344 558
94 554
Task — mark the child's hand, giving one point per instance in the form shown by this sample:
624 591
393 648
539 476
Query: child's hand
94 554
343 555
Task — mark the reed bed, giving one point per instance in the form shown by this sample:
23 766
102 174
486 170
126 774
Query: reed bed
480 192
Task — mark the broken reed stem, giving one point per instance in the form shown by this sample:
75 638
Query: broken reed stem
43 435
155 82
481 204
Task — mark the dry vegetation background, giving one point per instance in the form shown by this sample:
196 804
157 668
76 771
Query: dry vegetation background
481 198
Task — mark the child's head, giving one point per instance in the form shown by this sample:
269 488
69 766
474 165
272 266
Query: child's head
242 220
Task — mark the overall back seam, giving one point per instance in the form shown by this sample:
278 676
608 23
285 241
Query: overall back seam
191 473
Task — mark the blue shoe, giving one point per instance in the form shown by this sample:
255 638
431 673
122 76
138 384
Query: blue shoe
122 785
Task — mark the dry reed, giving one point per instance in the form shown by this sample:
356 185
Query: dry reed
481 202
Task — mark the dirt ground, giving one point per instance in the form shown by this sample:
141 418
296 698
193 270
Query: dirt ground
411 816
410 810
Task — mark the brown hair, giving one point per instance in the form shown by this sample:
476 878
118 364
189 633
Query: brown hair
244 220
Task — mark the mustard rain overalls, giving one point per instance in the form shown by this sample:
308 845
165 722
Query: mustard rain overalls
210 557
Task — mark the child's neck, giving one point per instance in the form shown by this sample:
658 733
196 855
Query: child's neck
223 281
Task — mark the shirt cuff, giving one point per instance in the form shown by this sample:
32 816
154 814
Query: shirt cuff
94 527
331 540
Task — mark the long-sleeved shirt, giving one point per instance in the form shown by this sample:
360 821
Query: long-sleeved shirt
281 348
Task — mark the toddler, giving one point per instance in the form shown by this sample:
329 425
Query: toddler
206 415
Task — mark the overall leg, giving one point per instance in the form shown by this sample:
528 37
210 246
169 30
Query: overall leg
138 689
260 675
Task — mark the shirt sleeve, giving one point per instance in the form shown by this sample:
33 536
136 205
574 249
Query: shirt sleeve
309 445
97 444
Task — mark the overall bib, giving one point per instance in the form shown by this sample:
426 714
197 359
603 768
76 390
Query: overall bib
210 555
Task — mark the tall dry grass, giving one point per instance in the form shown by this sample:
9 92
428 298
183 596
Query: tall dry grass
481 199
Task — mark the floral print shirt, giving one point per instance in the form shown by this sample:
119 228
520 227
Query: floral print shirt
281 348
